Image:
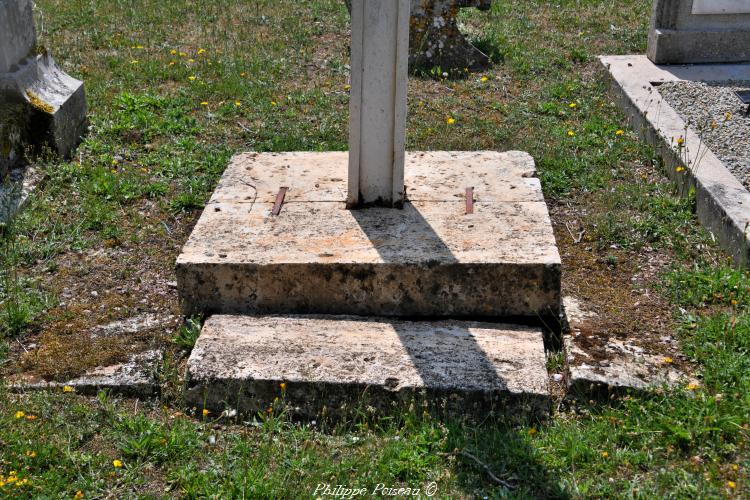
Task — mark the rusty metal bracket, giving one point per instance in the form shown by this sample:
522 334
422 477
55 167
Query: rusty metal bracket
279 201
469 200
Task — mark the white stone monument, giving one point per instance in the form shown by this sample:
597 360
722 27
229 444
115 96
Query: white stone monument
699 31
39 103
377 106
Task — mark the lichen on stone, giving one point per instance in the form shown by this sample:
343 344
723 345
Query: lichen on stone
38 103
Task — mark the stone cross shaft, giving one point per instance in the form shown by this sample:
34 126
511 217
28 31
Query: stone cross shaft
377 109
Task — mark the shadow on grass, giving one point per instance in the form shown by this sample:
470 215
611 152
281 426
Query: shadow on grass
504 451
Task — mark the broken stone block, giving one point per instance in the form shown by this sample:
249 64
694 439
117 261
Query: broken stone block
40 104
600 366
134 377
435 40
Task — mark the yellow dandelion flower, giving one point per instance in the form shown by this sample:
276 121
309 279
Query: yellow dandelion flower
605 454
173 52
67 388
205 412
732 485
117 464
572 105
204 103
237 103
571 133
191 60
483 79
680 141
619 132
735 467
183 54
243 74
734 302
139 46
30 453
78 495
680 169
283 386
532 431
20 414
134 61
192 78
450 120
347 87
692 386
273 103
201 51
667 360
172 63
727 116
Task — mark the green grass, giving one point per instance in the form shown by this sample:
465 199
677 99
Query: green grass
686 442
272 75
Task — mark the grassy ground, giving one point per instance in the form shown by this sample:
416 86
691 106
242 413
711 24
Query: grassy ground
175 88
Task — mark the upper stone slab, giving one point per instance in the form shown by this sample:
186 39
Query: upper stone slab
430 258
495 177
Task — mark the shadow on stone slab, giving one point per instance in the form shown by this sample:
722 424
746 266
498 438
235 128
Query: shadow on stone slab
461 282
335 365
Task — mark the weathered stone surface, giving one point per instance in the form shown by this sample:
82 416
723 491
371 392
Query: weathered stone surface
136 377
429 259
600 366
696 31
340 362
40 104
313 177
435 40
721 200
136 324
15 190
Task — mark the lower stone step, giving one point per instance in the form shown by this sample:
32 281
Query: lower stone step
335 364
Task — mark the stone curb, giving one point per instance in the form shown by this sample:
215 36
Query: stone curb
722 202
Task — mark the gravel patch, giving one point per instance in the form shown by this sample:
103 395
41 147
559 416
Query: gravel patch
718 116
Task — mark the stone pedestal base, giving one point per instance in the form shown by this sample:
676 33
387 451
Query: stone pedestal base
397 273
